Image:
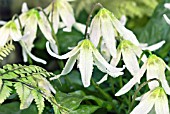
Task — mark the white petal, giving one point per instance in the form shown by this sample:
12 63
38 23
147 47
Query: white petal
116 60
167 5
105 52
15 33
95 32
65 56
66 13
31 55
161 105
141 72
4 36
54 18
80 27
155 46
127 34
109 35
86 65
54 47
24 7
130 61
2 22
153 72
109 67
68 67
165 84
166 18
103 79
126 87
24 54
144 106
168 67
45 28
123 20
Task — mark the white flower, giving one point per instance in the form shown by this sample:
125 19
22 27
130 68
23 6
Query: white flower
8 32
129 52
63 9
167 5
156 99
155 67
87 55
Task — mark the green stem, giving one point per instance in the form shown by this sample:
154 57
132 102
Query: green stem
89 18
104 94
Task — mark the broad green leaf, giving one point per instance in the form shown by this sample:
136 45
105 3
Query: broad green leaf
85 109
13 108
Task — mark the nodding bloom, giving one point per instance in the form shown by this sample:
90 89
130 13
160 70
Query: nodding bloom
60 8
106 25
30 19
154 99
9 31
155 68
87 56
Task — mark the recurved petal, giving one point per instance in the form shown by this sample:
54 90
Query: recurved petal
68 67
54 18
161 104
154 46
127 87
86 65
165 84
65 56
144 106
166 18
95 31
126 34
130 61
4 36
108 34
103 79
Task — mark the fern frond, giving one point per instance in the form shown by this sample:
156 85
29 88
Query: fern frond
5 50
4 93
39 100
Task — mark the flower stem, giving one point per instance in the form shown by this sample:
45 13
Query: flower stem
89 18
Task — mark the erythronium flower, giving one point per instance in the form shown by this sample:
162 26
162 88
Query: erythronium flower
87 55
63 9
155 98
106 25
8 32
129 52
155 67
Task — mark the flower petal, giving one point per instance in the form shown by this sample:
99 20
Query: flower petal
68 67
166 18
95 32
66 12
86 65
108 34
155 46
24 7
165 84
126 34
103 79
144 106
126 87
116 60
54 18
65 56
161 104
167 5
4 36
130 61
81 27
153 71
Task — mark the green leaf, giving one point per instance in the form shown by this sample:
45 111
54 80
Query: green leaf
13 108
85 109
39 100
24 94
4 93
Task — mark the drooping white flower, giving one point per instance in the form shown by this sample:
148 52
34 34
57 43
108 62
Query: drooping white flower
9 31
87 55
156 99
155 67
129 52
60 8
